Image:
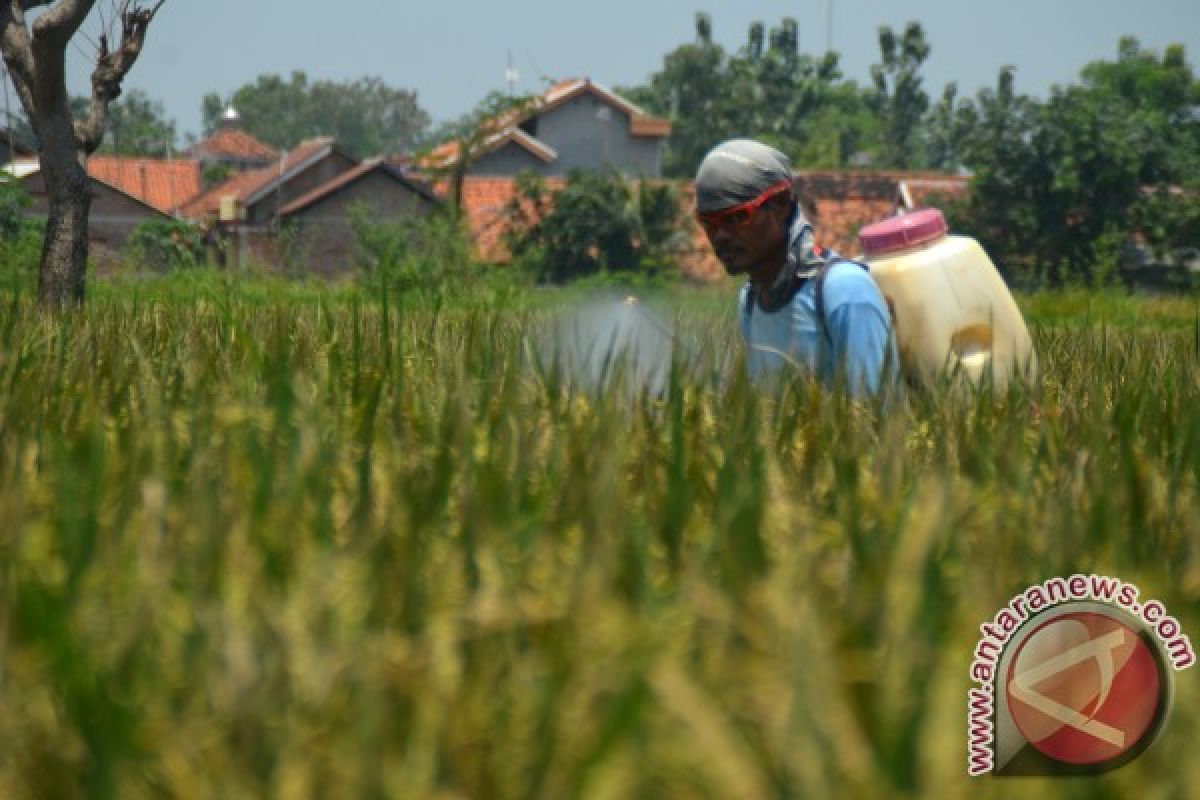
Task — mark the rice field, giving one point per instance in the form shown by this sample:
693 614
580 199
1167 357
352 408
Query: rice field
271 541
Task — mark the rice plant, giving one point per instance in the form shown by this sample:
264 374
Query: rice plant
259 540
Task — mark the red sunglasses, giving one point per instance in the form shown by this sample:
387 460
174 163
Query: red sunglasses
740 215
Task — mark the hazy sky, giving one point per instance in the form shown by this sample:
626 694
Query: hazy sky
453 53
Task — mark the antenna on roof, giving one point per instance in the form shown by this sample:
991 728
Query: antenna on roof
511 76
829 27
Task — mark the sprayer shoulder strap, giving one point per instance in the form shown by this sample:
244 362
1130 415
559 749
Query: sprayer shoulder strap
822 267
819 289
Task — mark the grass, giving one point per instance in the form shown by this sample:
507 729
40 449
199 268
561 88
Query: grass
275 540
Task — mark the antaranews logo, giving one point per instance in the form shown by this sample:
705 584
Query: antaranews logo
1074 678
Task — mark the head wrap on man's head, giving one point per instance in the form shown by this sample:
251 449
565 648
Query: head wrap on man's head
738 171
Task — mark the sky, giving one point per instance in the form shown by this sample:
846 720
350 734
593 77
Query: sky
453 53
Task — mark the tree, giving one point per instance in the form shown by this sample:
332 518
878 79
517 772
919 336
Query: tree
598 222
947 131
138 126
690 89
999 148
899 97
767 89
366 116
35 54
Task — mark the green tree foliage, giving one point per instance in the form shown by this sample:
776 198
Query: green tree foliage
1118 152
14 200
365 115
165 244
899 97
599 222
138 125
691 90
20 235
768 89
421 253
948 128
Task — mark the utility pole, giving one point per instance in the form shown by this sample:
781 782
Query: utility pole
829 26
511 76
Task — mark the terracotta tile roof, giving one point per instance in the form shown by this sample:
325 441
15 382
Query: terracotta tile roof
163 184
485 202
643 125
248 186
240 185
350 176
234 143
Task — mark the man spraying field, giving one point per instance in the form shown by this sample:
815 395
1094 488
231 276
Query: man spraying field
801 306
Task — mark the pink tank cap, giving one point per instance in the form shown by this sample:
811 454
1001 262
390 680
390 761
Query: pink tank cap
903 232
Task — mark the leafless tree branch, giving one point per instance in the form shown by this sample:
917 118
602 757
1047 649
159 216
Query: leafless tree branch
59 24
111 69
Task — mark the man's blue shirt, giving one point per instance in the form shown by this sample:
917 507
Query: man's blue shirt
860 337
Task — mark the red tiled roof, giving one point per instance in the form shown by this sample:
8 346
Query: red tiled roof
485 202
350 176
247 185
236 144
161 183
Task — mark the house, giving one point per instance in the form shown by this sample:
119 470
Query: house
165 184
231 149
297 212
319 232
576 124
264 192
113 216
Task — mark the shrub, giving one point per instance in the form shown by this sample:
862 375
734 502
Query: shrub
599 222
20 235
165 244
422 253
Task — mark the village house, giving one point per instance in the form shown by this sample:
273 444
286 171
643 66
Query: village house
264 192
114 211
297 212
231 149
576 124
319 234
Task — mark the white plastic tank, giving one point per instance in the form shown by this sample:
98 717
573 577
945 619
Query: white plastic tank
951 308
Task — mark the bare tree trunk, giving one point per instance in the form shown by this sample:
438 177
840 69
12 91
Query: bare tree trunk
63 271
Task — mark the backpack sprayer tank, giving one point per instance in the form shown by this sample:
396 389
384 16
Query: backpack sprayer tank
952 310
